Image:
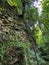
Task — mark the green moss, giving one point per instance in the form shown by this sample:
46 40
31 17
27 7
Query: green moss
1 8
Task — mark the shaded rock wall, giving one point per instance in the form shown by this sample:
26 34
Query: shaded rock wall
12 32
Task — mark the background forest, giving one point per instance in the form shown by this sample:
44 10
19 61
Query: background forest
24 32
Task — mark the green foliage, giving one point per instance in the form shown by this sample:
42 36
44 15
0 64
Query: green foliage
32 14
17 4
1 9
38 35
14 2
45 5
45 13
44 19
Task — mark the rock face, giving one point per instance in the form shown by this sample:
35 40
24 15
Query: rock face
13 56
11 30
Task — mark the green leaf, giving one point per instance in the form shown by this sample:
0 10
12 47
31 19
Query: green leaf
12 2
